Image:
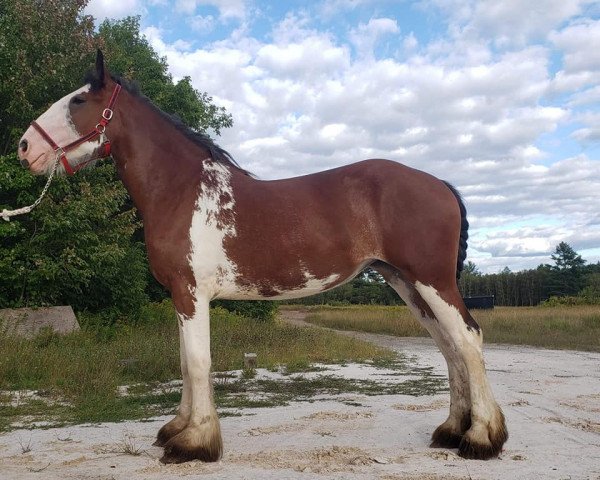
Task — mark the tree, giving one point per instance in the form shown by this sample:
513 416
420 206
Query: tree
45 46
565 258
566 275
471 268
129 54
80 245
75 248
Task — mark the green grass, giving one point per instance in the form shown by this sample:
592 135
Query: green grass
562 327
78 374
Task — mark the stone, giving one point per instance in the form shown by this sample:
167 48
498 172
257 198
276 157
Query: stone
27 322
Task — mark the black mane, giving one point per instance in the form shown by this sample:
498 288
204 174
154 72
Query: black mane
201 139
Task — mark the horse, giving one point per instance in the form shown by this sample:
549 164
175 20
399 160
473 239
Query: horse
214 231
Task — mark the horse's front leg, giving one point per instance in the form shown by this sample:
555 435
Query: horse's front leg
201 437
182 418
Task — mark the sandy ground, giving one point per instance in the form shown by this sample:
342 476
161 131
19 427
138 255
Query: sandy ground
551 400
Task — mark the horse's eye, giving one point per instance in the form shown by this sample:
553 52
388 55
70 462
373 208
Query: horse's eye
77 100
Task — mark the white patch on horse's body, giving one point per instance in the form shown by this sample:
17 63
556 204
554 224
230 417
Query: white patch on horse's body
311 286
214 272
57 123
212 269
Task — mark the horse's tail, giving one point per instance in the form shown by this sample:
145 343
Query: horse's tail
464 231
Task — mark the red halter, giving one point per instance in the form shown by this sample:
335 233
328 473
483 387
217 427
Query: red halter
99 129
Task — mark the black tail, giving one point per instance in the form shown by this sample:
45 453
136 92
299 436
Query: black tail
464 231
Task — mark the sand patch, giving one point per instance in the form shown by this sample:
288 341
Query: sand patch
588 403
585 425
320 460
423 476
417 407
337 416
308 422
180 470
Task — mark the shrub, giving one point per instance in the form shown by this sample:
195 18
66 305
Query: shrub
75 248
264 310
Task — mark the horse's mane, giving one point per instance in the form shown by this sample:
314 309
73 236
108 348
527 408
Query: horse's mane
201 139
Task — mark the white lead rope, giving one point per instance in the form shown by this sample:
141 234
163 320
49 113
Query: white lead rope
6 214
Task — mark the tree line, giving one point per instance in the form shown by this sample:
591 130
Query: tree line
568 280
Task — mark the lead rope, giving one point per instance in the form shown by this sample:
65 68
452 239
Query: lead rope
6 214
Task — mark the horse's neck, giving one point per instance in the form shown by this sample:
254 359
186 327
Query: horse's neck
155 161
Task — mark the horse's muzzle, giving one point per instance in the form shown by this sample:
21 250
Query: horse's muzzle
24 163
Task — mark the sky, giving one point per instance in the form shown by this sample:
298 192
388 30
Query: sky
501 98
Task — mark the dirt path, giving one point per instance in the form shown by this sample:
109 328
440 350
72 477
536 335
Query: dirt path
551 400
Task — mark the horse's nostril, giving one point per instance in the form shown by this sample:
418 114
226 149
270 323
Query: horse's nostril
23 145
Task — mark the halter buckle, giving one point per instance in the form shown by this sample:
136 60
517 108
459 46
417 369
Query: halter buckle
107 114
60 152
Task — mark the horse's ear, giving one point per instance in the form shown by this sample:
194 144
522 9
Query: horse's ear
100 73
98 76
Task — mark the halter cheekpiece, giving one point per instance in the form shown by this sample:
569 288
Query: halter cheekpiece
99 129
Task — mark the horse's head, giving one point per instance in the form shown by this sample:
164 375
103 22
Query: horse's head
73 128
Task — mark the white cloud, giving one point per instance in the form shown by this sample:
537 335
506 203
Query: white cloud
365 37
113 9
227 8
202 24
579 43
508 22
464 110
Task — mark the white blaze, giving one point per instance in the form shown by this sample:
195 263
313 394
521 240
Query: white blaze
58 124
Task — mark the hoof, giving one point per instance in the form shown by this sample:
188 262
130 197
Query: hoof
443 438
195 442
484 443
449 434
168 431
477 451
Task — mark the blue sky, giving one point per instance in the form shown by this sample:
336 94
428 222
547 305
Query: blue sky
500 98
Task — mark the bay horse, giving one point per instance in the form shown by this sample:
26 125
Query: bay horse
214 231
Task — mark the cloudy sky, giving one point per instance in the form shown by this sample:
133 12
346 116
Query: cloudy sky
501 98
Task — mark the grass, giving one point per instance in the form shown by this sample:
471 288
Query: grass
75 377
562 327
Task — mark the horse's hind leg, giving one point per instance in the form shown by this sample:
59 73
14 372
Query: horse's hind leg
450 433
475 417
487 433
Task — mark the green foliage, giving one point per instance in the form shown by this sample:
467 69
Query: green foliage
75 248
565 258
263 310
45 46
128 53
569 277
83 245
369 288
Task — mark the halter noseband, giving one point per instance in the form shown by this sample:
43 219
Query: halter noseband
99 129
